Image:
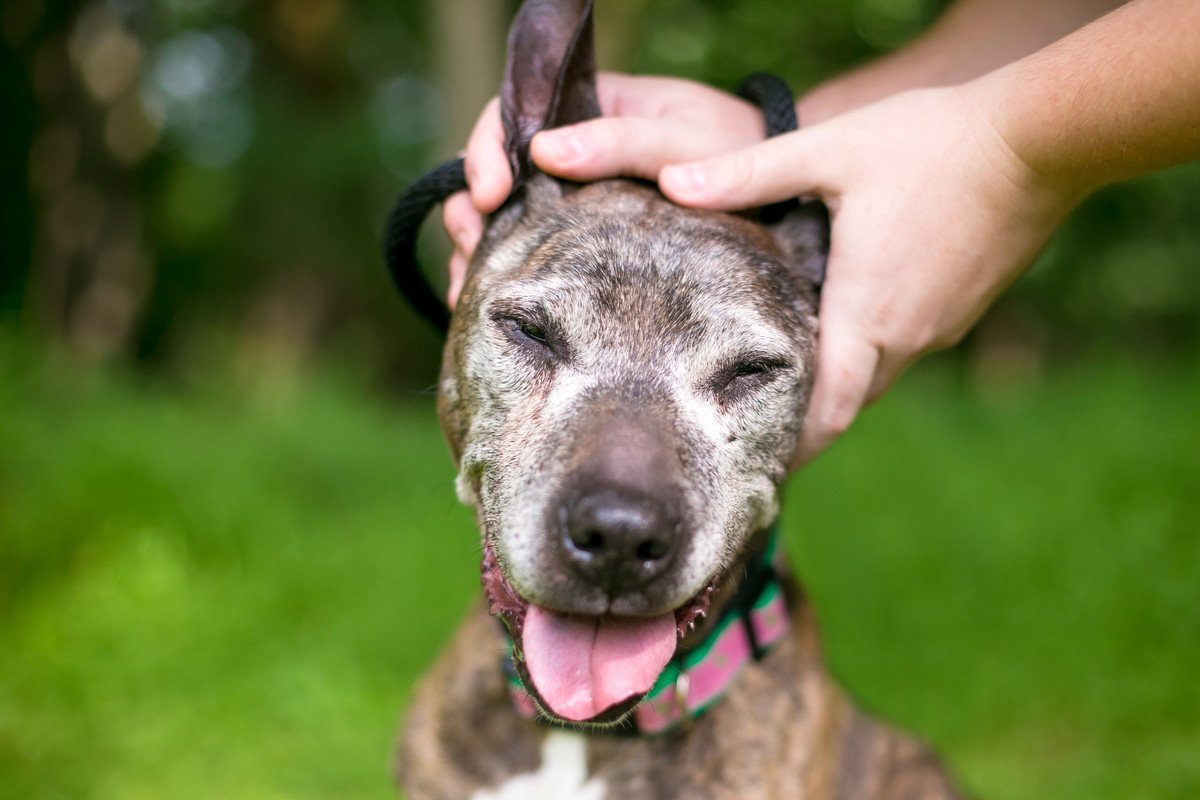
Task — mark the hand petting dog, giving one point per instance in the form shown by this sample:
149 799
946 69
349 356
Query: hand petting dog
940 197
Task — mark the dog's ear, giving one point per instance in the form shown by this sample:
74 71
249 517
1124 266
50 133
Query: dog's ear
802 233
550 77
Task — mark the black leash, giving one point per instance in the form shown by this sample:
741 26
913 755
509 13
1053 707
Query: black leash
768 92
778 106
400 239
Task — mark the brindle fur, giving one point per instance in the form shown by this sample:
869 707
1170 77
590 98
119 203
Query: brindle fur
786 732
647 310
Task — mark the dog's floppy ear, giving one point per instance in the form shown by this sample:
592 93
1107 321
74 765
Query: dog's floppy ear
550 77
803 235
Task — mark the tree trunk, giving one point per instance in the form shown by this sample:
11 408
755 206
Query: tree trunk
469 39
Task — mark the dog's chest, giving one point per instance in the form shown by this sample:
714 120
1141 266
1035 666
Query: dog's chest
562 774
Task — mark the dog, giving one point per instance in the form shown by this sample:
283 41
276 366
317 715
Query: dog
622 387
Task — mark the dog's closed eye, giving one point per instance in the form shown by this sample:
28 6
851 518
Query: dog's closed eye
531 331
743 377
524 330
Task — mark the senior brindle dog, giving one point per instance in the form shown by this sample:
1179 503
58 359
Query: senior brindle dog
622 388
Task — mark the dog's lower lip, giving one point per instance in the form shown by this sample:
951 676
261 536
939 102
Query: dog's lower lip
503 600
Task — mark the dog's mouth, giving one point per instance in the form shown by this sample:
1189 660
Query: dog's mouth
587 669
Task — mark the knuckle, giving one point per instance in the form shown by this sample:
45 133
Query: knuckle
837 419
456 213
927 341
878 321
829 418
832 427
449 223
914 337
902 332
941 338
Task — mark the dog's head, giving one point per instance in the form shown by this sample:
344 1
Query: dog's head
622 388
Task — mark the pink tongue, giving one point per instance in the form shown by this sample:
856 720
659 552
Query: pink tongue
582 666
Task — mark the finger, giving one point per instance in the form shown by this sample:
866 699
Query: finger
458 274
464 226
462 222
846 363
488 174
778 169
612 146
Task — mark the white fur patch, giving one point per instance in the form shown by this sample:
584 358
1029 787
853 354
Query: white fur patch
507 255
562 776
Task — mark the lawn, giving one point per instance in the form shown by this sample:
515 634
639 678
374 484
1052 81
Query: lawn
217 587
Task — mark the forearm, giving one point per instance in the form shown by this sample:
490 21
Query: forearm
1117 98
970 39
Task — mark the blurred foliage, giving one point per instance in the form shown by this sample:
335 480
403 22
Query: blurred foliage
219 588
186 166
245 190
222 562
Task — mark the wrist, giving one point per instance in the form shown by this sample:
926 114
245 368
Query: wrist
1010 113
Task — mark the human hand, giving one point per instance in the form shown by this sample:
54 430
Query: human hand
648 122
932 216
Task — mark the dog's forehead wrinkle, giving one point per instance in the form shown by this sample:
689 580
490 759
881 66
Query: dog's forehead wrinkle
631 258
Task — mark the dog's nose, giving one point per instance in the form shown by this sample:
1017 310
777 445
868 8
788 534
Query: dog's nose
618 540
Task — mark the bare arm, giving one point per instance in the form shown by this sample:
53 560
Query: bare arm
1117 98
971 38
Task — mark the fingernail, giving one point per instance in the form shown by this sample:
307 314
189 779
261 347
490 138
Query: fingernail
688 178
564 145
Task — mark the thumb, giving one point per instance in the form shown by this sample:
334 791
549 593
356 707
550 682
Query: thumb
778 169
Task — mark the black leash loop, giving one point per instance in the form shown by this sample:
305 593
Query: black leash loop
772 95
403 227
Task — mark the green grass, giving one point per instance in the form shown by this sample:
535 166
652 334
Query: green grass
214 590
1019 578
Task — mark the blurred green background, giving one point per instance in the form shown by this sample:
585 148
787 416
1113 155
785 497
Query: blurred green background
228 537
